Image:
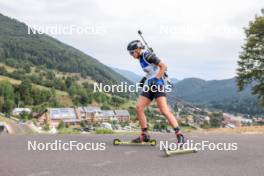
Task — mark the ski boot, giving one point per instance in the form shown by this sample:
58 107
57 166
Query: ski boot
144 137
180 139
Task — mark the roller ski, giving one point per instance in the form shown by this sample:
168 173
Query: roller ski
170 152
180 149
143 139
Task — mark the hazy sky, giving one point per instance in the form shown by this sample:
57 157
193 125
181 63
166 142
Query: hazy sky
195 38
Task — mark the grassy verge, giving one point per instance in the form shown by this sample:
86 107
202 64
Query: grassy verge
3 119
68 131
103 131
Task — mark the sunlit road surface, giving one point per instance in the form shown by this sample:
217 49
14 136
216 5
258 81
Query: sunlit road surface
15 159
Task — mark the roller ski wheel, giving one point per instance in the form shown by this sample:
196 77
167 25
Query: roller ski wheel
116 142
152 142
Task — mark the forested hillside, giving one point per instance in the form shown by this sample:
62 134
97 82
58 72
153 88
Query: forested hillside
20 48
39 71
220 94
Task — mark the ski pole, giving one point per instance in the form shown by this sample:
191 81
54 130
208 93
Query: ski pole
141 36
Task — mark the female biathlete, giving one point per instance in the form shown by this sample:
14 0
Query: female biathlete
155 70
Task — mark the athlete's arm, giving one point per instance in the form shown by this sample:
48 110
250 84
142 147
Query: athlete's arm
142 81
163 68
152 58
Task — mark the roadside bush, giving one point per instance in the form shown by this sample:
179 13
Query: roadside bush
68 131
34 121
82 124
25 116
103 131
46 127
61 125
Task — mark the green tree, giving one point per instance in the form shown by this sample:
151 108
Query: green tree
61 125
24 116
27 68
2 53
105 107
3 70
8 105
1 103
46 127
216 120
69 81
73 90
160 125
50 75
251 59
25 89
7 96
6 90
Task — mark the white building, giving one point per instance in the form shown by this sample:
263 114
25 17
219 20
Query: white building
18 111
54 116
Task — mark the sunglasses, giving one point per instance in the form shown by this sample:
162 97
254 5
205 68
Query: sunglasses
132 52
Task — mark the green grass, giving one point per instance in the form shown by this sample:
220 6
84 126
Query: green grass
67 131
128 133
8 68
103 131
15 81
3 119
11 80
62 96
128 104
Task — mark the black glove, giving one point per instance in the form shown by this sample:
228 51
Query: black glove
141 83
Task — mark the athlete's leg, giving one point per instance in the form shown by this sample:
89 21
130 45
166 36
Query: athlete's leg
164 109
140 106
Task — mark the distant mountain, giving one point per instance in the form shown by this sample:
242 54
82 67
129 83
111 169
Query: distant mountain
128 74
16 45
221 94
174 80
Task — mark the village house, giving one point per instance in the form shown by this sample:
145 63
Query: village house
18 111
93 114
188 119
53 116
235 120
122 115
258 120
109 115
201 119
106 116
88 113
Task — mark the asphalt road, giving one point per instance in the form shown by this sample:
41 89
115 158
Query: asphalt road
15 159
